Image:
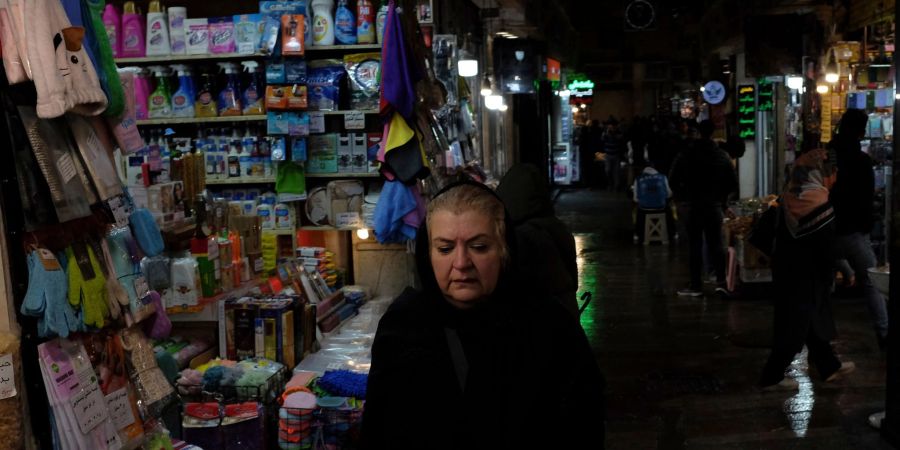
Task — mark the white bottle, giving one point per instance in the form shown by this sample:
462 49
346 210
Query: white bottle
283 219
323 22
157 30
266 217
177 32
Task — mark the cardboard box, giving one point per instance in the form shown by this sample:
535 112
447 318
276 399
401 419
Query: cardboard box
373 141
344 152
322 151
359 162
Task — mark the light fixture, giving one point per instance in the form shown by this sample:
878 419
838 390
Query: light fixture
486 86
467 66
832 70
565 93
794 82
822 88
896 96
362 233
583 106
493 101
503 107
574 109
702 88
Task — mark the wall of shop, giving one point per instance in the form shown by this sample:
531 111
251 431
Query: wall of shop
747 165
618 103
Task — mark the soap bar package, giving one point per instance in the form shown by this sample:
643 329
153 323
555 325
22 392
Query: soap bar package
197 39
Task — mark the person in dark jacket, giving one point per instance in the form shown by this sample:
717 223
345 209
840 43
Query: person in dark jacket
613 151
703 178
547 246
476 359
853 198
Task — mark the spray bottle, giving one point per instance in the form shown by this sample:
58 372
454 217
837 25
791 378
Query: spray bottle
159 104
252 101
205 105
157 30
230 97
183 98
141 86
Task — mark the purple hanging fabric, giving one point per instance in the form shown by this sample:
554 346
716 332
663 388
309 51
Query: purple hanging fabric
399 73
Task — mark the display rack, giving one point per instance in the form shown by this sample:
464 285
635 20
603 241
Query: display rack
186 120
227 181
322 48
165 59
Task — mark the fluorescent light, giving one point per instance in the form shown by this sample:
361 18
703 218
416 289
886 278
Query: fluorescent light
793 82
822 88
467 67
493 101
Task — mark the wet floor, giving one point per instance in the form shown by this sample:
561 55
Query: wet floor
681 372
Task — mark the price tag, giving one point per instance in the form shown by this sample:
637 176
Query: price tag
120 408
316 122
349 220
48 260
354 120
7 377
83 258
89 407
66 167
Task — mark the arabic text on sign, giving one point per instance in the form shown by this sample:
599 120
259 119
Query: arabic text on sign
7 377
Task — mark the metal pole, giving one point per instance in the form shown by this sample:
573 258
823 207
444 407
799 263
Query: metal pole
890 427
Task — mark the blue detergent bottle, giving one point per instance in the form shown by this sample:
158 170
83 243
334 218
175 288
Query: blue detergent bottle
344 24
230 96
183 98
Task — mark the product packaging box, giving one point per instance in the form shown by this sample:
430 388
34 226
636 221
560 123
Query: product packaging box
197 36
322 150
358 162
344 152
373 141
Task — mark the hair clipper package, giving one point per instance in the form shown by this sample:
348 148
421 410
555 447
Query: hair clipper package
292 35
275 73
295 71
276 123
298 124
271 12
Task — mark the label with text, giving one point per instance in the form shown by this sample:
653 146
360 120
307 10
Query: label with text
7 377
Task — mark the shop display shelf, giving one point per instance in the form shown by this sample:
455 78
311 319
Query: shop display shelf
344 175
181 120
239 291
324 228
164 59
340 113
280 232
228 181
321 48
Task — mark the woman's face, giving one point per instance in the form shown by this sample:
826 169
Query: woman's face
465 255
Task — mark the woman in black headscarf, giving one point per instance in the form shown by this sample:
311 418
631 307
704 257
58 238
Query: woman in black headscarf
473 360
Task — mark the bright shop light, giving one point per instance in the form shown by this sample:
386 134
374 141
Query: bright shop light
503 107
583 106
493 101
795 83
565 93
362 233
574 109
832 77
467 67
822 88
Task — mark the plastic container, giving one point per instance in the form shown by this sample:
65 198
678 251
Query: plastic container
283 217
205 104
380 20
141 94
250 98
229 98
365 22
112 22
133 43
266 216
177 31
159 104
323 22
344 24
183 98
157 30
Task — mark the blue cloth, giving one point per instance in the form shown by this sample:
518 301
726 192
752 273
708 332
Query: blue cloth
652 192
395 202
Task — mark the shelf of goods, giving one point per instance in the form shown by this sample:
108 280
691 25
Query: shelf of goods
337 113
320 48
222 119
228 181
324 228
165 59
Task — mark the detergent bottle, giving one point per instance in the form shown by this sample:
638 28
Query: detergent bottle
323 22
205 105
380 19
159 104
112 22
141 93
365 15
250 98
157 30
344 24
133 44
229 97
183 98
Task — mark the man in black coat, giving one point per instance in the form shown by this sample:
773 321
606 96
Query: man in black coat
703 178
853 198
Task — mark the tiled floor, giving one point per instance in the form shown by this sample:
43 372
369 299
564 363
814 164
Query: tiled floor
681 372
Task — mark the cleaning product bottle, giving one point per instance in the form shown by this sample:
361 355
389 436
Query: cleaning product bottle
252 101
183 98
307 24
133 44
344 24
112 21
177 32
159 104
234 159
323 22
230 97
141 93
365 26
380 19
157 30
205 106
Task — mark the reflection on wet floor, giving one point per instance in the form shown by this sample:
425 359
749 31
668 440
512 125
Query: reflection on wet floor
682 373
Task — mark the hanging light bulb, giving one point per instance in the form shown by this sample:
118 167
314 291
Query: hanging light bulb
486 86
503 107
822 88
362 233
832 70
795 83
468 66
574 109
493 101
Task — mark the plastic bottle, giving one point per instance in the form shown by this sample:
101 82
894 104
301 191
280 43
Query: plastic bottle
177 32
157 30
112 21
266 216
133 44
141 93
283 220
380 20
344 24
159 103
205 106
229 97
183 98
252 101
323 22
307 24
365 25
234 161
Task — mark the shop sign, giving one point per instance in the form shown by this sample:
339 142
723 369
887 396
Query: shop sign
553 69
581 88
766 95
746 104
714 92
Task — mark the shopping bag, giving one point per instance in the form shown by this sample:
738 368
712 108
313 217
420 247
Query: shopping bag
762 235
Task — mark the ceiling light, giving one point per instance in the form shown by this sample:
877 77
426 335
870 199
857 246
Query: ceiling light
493 101
467 67
794 82
822 88
583 106
486 86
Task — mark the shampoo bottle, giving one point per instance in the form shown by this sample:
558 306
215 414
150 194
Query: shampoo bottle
229 97
365 28
132 32
205 105
183 98
344 24
157 30
159 104
113 24
250 98
323 22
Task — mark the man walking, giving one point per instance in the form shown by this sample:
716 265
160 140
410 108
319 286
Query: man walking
703 178
613 149
853 198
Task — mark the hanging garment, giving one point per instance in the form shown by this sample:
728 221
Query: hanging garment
12 62
16 13
399 72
